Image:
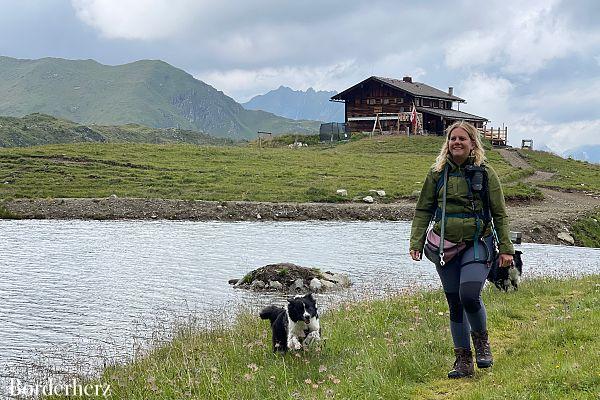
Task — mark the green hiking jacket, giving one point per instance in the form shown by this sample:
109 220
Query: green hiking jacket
459 229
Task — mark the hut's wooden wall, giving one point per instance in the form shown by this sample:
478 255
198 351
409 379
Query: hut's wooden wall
374 97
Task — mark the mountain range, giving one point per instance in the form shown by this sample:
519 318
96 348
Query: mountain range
148 92
589 153
299 105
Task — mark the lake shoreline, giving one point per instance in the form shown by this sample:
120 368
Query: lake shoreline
200 210
535 227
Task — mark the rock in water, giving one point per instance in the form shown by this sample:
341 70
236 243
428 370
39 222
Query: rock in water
315 285
291 278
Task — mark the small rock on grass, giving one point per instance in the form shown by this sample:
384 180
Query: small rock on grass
566 237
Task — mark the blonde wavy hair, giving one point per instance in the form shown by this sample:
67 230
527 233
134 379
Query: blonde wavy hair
478 152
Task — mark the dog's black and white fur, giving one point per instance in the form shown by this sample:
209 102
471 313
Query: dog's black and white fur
504 277
294 326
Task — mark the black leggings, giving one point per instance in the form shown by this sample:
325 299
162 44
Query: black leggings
463 279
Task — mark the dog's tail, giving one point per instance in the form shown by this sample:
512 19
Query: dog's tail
271 313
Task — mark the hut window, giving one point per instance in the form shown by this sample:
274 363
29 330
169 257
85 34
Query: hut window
356 101
371 101
386 101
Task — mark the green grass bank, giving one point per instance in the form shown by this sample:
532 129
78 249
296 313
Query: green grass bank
543 338
587 230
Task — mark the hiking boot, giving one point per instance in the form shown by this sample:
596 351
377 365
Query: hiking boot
483 354
463 366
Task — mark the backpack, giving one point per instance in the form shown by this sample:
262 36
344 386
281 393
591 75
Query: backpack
477 182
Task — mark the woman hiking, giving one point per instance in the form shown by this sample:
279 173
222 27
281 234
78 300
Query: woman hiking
462 195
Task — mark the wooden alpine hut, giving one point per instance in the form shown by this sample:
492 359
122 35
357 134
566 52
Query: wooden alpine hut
386 105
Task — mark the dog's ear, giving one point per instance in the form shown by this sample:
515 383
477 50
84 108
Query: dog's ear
310 297
290 300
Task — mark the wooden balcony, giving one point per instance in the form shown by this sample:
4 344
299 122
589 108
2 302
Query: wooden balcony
498 136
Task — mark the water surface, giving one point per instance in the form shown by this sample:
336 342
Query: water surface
71 290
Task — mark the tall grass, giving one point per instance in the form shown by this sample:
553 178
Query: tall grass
542 336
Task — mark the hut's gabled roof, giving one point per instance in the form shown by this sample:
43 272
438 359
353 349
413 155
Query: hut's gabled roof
417 89
452 114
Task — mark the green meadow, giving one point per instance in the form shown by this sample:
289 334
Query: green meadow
278 174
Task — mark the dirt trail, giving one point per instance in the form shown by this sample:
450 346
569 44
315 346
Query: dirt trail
542 221
513 158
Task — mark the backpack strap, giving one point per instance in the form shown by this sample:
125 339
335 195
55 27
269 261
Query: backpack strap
443 222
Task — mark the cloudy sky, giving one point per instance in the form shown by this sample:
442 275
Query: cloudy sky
533 66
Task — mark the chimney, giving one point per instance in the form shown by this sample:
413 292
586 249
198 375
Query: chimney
451 91
407 79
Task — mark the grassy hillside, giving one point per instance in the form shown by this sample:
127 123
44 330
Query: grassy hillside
399 348
148 92
39 129
568 173
397 165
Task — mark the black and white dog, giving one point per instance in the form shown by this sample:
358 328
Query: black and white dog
295 326
504 277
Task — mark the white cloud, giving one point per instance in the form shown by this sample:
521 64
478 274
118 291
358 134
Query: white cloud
138 19
558 137
473 48
487 96
565 100
520 39
536 38
495 98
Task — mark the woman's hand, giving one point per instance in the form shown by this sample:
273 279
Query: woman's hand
415 255
506 260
